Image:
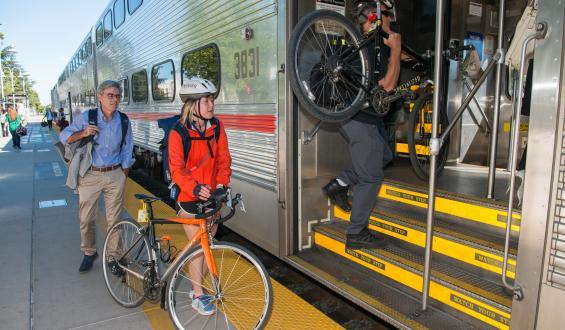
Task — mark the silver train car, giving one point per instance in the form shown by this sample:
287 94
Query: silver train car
151 46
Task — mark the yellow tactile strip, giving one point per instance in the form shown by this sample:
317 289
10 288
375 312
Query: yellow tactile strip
289 311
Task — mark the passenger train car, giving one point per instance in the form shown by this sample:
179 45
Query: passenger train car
152 46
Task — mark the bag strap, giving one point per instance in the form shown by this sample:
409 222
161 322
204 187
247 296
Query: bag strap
124 120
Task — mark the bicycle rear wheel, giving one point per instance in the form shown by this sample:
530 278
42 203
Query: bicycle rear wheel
242 293
328 72
125 247
420 133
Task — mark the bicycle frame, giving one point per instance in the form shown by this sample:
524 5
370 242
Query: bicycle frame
201 237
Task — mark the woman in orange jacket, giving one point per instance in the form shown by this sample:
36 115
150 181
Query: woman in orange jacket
206 168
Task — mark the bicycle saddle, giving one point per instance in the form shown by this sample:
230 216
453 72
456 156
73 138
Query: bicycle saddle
147 198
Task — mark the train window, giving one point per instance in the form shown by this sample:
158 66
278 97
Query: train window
163 81
124 82
99 34
133 5
108 24
139 88
119 13
203 62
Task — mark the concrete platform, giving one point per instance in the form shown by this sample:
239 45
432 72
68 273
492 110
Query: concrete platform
40 286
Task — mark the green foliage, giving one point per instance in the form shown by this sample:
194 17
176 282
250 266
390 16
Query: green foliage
10 65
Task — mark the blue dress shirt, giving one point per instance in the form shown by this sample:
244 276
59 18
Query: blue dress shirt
106 151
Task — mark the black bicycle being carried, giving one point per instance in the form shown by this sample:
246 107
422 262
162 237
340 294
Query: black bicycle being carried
329 71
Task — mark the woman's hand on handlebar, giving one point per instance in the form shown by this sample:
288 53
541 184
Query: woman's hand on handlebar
202 191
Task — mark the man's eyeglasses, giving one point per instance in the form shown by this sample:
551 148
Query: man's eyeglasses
114 96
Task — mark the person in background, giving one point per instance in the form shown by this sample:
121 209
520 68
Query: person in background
365 135
206 171
3 122
111 160
49 117
63 123
14 121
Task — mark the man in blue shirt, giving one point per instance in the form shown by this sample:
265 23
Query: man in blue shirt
111 160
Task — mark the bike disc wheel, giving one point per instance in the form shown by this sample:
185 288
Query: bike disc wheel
420 133
124 244
327 72
242 294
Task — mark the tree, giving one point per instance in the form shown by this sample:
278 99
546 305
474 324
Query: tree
9 65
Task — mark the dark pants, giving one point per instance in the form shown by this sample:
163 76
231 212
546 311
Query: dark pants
5 130
369 154
15 139
50 123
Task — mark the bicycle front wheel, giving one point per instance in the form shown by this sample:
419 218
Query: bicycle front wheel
241 295
125 248
420 133
328 72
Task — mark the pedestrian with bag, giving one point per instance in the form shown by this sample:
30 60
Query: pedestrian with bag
49 117
100 145
14 121
200 166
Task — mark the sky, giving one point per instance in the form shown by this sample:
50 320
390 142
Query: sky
46 34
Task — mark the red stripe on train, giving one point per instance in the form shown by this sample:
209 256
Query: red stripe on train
241 122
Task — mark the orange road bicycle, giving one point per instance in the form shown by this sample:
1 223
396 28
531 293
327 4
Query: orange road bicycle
138 265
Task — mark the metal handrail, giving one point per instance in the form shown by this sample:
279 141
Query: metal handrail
497 92
487 122
434 150
541 30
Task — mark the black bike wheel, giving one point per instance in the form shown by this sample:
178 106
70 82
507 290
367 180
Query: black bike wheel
125 247
242 294
327 72
420 133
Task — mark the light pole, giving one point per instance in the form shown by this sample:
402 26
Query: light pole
13 95
2 78
25 93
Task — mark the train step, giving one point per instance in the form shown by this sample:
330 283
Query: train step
484 252
452 287
376 293
473 211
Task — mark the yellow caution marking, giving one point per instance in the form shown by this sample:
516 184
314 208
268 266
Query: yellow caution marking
289 310
420 149
524 127
460 301
455 250
464 210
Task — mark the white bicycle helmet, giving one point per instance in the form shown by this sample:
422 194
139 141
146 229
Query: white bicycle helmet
194 88
364 7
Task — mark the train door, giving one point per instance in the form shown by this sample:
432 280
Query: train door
469 232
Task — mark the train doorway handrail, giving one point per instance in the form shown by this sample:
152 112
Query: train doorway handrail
541 30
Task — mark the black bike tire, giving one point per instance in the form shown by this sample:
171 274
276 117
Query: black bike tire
262 269
301 95
104 265
421 172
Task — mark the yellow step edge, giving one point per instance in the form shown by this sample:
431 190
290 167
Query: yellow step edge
285 304
420 149
464 253
464 210
459 301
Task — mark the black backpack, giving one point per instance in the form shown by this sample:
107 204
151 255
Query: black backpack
93 120
187 141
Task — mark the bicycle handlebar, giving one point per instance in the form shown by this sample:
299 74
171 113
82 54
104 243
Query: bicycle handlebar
216 201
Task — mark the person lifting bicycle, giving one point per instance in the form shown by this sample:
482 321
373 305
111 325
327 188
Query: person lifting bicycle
366 134
205 170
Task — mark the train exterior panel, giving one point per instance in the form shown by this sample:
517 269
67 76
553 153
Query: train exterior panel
151 46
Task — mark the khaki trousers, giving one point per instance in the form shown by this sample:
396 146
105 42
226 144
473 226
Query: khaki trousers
112 185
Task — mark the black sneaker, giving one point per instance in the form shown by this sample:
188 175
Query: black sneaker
337 194
365 240
87 262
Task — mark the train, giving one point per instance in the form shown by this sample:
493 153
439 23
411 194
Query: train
282 156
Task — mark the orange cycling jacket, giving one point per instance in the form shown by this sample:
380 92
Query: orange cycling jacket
201 167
